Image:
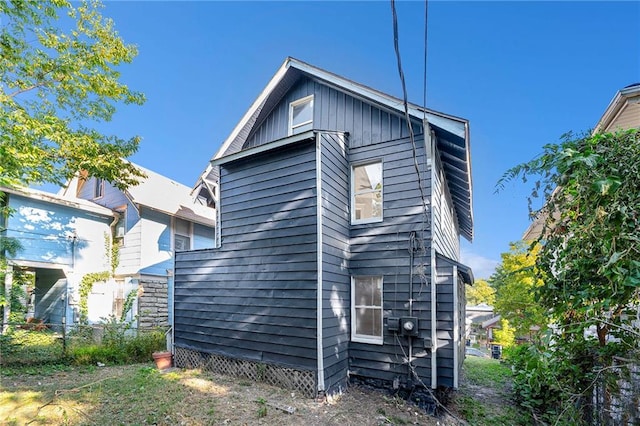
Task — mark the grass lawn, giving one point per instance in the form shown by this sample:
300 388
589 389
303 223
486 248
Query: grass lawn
484 397
138 394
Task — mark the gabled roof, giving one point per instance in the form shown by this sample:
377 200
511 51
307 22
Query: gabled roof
452 132
75 203
626 102
156 192
160 193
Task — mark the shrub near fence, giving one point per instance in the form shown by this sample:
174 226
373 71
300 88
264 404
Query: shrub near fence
23 344
616 396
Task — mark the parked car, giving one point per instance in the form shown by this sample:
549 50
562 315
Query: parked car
475 352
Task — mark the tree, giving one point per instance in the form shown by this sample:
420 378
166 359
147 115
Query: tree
57 75
505 335
590 256
54 80
589 260
480 292
516 281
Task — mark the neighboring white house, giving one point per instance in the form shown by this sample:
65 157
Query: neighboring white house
63 238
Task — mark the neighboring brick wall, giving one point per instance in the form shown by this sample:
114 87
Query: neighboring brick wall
153 308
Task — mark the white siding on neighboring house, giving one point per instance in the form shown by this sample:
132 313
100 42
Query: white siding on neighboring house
628 118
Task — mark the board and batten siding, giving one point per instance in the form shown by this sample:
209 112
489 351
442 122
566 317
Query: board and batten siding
336 281
255 297
336 111
382 249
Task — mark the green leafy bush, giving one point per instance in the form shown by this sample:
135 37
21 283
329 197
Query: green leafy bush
21 346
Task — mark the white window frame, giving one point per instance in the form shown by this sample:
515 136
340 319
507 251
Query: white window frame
98 189
182 234
365 338
353 194
121 224
292 127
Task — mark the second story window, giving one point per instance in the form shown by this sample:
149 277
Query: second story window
366 193
182 235
301 115
98 189
121 225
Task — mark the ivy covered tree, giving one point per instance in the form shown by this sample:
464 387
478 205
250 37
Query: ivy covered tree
516 281
58 74
589 264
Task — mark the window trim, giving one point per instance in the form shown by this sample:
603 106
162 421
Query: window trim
176 233
353 194
292 105
364 338
98 189
121 224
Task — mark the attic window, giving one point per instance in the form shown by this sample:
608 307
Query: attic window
98 189
301 115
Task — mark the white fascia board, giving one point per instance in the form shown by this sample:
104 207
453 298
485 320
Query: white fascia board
79 203
256 104
263 148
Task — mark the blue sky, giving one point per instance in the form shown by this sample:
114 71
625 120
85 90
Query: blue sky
522 73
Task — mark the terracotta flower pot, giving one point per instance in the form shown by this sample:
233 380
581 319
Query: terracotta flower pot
163 359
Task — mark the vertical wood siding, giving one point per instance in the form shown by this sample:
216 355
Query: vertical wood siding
254 298
383 249
336 281
336 111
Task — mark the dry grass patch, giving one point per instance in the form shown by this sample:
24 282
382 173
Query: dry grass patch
140 395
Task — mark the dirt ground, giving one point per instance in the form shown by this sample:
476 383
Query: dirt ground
125 395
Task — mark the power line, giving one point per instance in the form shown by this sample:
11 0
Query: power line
406 107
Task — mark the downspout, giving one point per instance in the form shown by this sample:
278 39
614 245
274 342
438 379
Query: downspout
319 325
456 328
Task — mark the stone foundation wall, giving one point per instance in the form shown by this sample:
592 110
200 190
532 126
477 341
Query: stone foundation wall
153 307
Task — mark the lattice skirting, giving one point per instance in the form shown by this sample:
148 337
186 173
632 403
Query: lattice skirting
301 381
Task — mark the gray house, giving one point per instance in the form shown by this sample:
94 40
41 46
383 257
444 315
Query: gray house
337 242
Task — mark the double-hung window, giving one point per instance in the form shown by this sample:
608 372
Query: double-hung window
366 192
301 115
182 235
366 309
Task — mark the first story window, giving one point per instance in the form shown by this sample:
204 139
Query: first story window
366 309
301 115
182 235
366 193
